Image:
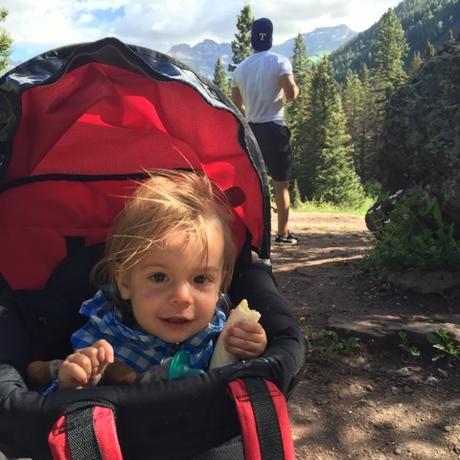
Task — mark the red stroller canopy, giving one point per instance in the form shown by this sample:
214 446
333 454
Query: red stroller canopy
93 122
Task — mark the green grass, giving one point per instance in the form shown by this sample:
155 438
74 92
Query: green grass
327 345
327 207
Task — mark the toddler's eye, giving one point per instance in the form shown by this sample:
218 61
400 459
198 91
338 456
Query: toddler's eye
159 277
202 279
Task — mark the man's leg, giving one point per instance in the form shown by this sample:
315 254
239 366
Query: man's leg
276 150
283 201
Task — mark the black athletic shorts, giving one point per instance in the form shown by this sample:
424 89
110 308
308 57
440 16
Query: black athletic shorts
274 142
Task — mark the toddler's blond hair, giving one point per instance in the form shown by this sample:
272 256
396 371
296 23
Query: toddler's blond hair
169 201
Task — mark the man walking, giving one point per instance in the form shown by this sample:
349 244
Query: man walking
257 90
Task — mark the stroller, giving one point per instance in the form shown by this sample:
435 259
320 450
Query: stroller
77 125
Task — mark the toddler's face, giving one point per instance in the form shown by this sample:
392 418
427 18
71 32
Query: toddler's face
174 289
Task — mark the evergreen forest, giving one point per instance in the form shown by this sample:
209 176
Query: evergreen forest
427 24
337 119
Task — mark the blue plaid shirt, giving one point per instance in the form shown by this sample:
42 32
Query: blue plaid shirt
137 348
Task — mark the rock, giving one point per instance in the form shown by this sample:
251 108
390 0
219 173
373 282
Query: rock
404 372
443 372
420 142
425 282
385 328
414 380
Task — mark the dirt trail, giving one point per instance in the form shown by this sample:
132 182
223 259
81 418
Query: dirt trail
372 404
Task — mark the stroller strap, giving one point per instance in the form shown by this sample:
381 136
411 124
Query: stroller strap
87 431
264 419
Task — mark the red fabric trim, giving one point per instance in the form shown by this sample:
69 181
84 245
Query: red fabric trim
279 401
106 433
248 426
57 440
104 428
247 421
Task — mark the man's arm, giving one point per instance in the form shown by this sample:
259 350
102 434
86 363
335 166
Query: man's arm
237 99
290 88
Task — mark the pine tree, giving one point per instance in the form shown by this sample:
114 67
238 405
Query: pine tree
388 51
353 106
220 77
300 61
296 200
328 153
370 128
296 109
301 75
307 140
336 180
429 50
415 65
241 46
5 41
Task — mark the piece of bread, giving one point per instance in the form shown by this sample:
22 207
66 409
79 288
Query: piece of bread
221 357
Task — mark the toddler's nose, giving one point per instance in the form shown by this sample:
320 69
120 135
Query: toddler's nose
182 293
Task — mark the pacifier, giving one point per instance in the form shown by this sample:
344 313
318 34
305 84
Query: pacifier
180 366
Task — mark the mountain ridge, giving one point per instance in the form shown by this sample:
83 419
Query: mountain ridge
421 21
203 56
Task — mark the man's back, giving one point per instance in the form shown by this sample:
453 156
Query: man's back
257 90
258 79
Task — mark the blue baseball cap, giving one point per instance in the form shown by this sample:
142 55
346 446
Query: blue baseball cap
261 34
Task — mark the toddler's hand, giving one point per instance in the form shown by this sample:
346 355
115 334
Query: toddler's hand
86 366
246 339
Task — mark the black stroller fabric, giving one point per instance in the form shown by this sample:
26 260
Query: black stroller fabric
77 125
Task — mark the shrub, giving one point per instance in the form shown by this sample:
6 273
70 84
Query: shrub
414 236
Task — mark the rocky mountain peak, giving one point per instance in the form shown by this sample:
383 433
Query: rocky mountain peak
203 55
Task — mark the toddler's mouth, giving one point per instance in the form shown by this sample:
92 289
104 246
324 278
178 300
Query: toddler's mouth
177 320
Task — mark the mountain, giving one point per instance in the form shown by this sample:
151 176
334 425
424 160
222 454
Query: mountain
203 56
318 42
422 20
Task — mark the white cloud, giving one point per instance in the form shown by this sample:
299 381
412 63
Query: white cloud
159 24
85 18
56 21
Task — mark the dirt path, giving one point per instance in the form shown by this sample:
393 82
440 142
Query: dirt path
371 404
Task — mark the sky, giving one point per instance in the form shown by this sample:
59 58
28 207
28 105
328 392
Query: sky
40 25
